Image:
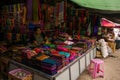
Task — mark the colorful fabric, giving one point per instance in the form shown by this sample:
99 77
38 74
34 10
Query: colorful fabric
61 48
42 57
49 61
29 9
66 54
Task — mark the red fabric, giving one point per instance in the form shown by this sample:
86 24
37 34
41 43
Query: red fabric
107 23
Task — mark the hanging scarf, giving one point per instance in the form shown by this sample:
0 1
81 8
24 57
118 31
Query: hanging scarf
57 14
89 29
40 10
35 10
65 11
18 7
29 9
96 24
61 12
24 15
14 8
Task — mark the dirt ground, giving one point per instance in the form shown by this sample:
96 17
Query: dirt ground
111 69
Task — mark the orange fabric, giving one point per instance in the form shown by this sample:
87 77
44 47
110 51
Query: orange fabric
42 57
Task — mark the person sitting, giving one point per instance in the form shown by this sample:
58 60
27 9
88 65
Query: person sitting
38 38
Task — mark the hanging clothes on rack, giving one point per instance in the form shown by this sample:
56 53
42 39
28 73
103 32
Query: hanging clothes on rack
29 10
24 15
35 10
40 10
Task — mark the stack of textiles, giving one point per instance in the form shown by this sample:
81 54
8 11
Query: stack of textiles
73 55
48 66
61 61
78 50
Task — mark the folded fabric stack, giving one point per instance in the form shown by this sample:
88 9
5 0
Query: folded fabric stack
50 45
78 50
66 54
60 59
48 66
28 53
73 55
81 45
42 57
89 44
62 48
53 51
3 49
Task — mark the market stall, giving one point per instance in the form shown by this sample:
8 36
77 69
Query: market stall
69 72
67 47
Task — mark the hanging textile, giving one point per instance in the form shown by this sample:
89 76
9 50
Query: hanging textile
96 24
24 15
18 7
40 10
89 29
15 8
61 12
29 10
35 10
57 14
65 9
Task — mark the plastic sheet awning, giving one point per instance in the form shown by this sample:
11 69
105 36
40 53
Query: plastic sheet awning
107 23
112 5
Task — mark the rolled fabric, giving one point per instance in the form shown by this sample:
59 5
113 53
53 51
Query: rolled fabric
29 9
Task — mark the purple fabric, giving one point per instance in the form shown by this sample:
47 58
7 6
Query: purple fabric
50 72
29 9
23 29
48 68
49 65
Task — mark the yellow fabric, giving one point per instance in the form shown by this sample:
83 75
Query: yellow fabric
42 57
112 45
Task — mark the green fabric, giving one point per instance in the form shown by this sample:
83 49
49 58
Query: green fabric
113 5
35 10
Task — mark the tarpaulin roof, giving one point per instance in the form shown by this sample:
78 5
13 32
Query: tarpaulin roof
107 23
113 5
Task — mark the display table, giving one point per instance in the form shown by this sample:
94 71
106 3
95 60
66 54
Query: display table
69 72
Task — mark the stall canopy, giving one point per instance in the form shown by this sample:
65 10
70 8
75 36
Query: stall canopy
113 5
107 23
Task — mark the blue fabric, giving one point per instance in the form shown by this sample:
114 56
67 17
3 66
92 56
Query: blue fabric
49 61
31 26
66 54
